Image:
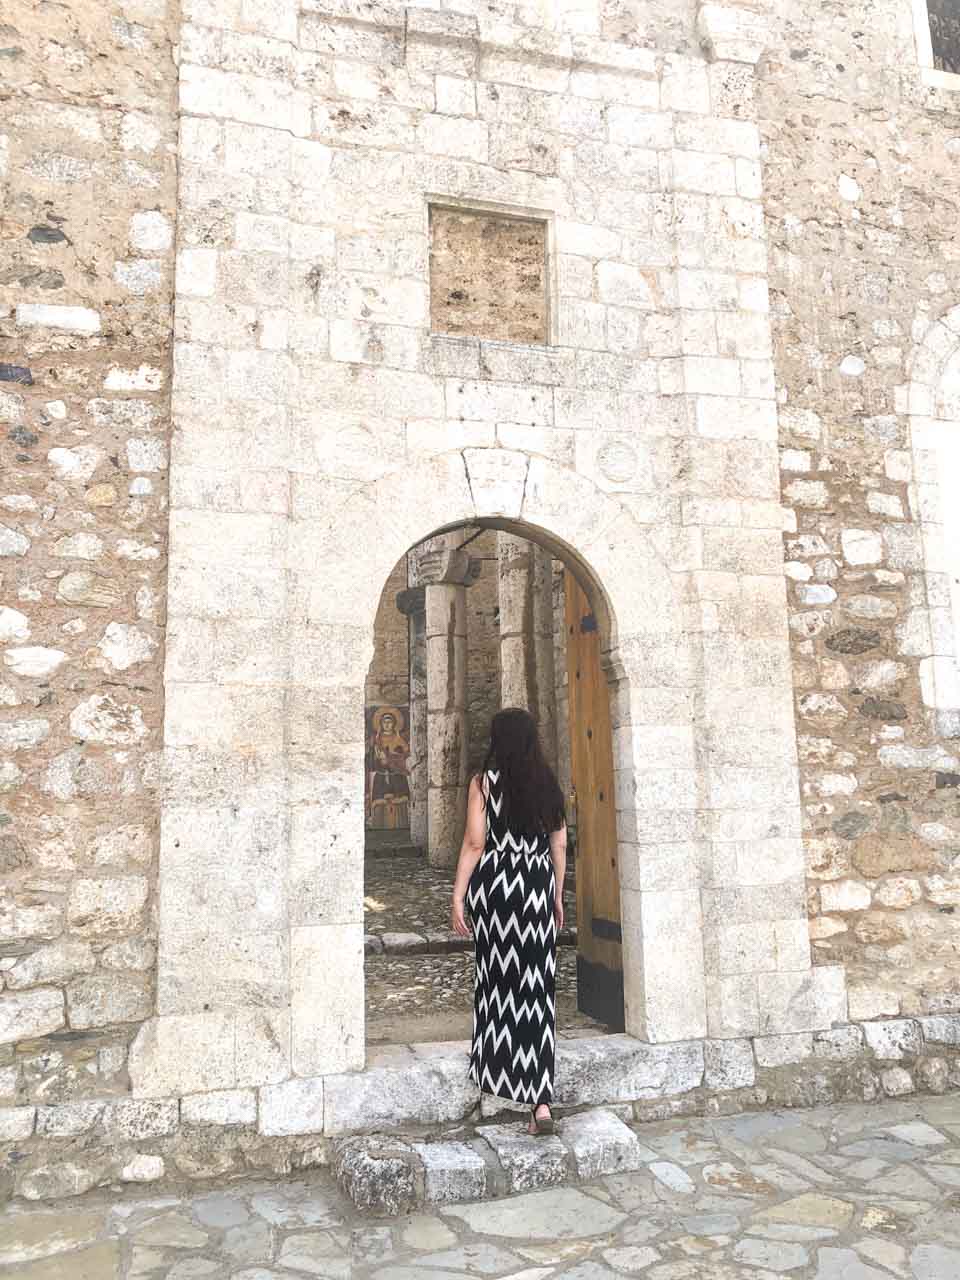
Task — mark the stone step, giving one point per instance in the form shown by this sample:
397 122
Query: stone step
436 942
393 851
395 1174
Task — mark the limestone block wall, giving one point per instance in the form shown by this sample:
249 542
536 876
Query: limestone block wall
861 165
751 216
307 366
88 134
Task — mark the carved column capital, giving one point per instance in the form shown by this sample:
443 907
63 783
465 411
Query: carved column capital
450 568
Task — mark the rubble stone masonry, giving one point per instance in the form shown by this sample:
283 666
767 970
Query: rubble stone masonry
88 159
862 204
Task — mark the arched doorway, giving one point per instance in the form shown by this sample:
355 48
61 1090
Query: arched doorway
265 768
468 622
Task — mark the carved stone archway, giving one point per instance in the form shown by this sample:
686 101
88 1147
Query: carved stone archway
261 935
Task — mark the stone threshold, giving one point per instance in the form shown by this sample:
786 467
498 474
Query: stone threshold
419 1094
388 1176
435 943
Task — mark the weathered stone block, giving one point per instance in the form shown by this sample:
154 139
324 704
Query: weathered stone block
941 1029
728 1064
295 1106
803 1001
897 1082
68 1119
893 1039
55 963
600 1143
731 33
663 940
379 1176
222 1107
434 1091
326 964
55 1181
143 1168
30 1013
452 1171
16 1123
69 319
779 1051
102 1000
173 1055
840 1043
530 1163
134 1119
622 1069
866 1002
113 904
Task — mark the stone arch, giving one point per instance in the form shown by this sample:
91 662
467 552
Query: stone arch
632 589
935 352
260 978
548 503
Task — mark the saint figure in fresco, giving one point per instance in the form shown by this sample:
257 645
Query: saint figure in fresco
388 787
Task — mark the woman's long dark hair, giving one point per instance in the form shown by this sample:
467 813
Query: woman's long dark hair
532 795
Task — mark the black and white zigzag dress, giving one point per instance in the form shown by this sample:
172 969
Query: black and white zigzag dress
510 897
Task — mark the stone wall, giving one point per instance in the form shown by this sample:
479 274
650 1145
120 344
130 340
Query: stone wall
862 193
310 391
63 1150
313 142
388 680
88 165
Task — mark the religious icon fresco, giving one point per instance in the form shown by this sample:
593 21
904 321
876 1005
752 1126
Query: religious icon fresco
388 751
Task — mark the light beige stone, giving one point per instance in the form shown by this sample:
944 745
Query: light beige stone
26 1236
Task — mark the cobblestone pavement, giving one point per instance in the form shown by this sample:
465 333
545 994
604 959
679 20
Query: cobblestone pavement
404 894
840 1193
430 997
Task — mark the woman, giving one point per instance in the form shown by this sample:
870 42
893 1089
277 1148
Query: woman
510 879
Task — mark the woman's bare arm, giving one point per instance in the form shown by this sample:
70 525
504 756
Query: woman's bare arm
558 855
474 839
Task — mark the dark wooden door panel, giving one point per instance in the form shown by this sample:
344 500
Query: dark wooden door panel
599 951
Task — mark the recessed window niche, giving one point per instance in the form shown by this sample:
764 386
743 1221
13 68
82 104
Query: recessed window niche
488 275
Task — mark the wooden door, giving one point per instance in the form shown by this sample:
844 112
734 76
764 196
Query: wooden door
599 950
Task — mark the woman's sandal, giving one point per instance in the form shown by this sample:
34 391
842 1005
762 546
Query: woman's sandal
542 1125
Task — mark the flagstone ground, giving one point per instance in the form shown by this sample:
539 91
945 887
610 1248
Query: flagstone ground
840 1193
427 997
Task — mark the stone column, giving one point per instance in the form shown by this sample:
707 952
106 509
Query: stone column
527 677
412 602
446 572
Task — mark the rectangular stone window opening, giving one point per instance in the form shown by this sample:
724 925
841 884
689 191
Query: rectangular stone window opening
488 275
944 19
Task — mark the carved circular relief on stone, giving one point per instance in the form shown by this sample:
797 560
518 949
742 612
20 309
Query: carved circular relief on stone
617 461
